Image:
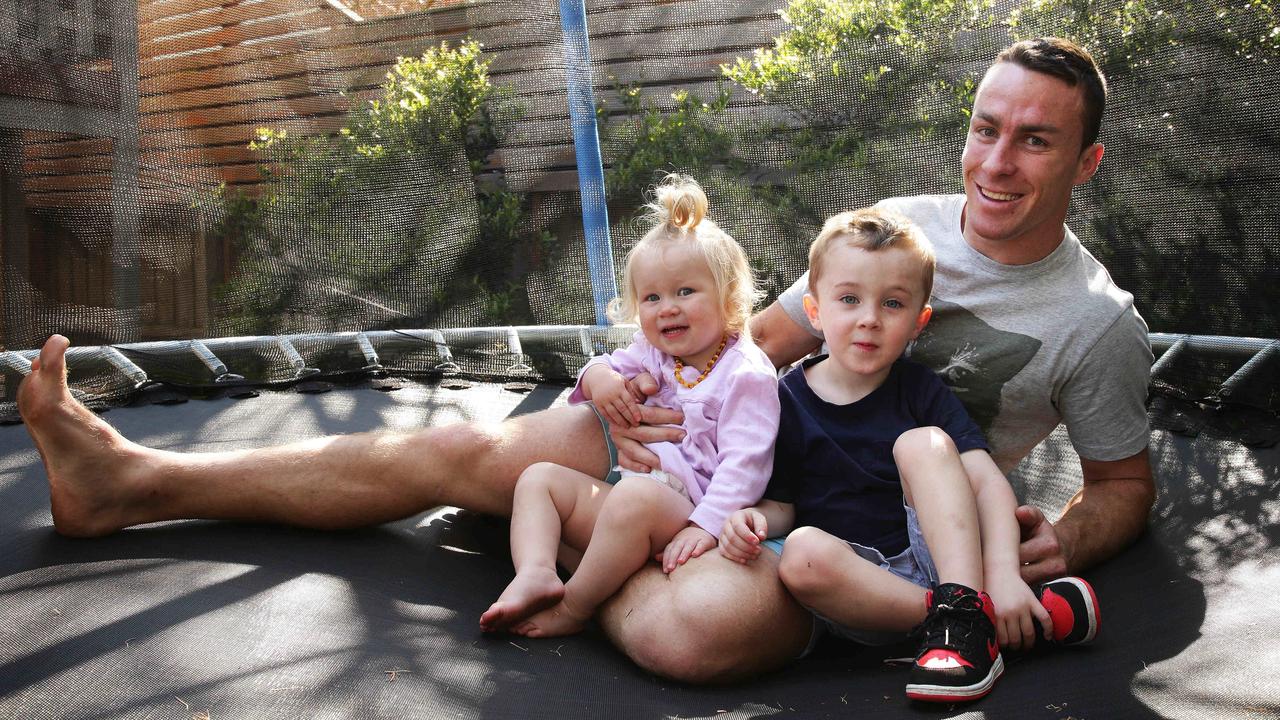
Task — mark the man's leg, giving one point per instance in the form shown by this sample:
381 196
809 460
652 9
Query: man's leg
100 482
711 620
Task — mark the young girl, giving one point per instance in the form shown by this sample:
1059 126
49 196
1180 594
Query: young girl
691 289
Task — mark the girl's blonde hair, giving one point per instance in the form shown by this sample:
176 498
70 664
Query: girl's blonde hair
678 214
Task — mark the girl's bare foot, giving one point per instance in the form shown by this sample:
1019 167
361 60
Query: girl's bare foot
552 622
531 590
91 467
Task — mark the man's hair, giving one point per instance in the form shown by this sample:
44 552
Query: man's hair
872 229
1070 63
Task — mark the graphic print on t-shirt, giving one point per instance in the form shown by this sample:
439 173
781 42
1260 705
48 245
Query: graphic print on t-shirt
973 358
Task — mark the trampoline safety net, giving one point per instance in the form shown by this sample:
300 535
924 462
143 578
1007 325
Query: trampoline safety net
182 171
192 170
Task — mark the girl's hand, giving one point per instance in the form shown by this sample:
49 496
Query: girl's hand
742 534
612 395
688 543
1016 605
642 386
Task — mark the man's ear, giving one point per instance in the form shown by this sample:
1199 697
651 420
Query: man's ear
1090 159
811 311
922 319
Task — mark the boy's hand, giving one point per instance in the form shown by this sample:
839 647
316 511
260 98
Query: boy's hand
688 543
742 534
1016 605
613 396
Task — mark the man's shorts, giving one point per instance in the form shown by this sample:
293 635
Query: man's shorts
914 565
615 473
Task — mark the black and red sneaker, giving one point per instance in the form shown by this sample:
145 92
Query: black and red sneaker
959 658
1073 606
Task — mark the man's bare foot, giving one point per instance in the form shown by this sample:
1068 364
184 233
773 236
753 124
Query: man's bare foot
531 590
89 464
552 622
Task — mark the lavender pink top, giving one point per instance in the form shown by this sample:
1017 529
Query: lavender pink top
730 423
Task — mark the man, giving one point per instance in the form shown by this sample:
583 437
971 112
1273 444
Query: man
1012 264
1027 328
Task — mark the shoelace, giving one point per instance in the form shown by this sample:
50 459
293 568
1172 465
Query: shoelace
943 617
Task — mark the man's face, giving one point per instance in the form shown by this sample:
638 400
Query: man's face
1021 158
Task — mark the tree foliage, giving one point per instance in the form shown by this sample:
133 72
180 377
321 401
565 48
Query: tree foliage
369 226
857 100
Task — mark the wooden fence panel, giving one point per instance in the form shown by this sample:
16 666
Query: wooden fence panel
212 72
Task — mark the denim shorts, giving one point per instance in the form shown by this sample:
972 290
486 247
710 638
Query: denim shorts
915 565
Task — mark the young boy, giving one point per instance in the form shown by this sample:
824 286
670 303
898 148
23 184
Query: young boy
891 481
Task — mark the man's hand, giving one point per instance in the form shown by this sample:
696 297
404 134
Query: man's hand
688 543
742 534
632 454
1041 551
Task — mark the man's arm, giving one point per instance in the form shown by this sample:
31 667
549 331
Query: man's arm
780 337
1105 517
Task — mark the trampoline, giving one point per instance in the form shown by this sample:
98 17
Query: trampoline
221 296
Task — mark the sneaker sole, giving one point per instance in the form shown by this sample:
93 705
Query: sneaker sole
953 693
1091 608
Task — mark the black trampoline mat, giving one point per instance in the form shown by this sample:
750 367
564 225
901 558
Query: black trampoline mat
227 620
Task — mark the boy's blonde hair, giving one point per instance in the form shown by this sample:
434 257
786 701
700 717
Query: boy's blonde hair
679 215
872 229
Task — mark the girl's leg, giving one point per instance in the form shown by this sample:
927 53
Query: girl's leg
827 576
638 519
548 497
935 483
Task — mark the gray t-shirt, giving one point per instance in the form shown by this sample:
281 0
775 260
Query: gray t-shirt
1027 347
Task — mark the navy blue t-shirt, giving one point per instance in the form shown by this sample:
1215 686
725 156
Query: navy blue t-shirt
835 462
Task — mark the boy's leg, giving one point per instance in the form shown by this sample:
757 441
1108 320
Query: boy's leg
101 482
959 658
548 498
935 483
638 519
827 576
711 620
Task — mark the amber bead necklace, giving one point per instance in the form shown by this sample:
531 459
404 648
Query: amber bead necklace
711 364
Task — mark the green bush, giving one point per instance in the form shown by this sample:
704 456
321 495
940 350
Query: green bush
367 227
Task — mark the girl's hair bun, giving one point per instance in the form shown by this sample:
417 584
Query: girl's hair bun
679 203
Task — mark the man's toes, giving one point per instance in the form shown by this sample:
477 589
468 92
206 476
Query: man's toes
53 356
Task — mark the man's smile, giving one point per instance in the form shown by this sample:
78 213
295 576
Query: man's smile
998 196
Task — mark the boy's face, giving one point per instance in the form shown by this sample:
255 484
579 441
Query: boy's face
869 305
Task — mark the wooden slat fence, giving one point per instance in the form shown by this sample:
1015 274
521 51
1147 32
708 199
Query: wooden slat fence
211 73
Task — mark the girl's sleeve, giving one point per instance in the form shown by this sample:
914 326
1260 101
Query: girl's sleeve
629 361
745 434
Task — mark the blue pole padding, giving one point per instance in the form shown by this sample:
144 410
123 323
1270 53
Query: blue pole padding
586 143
